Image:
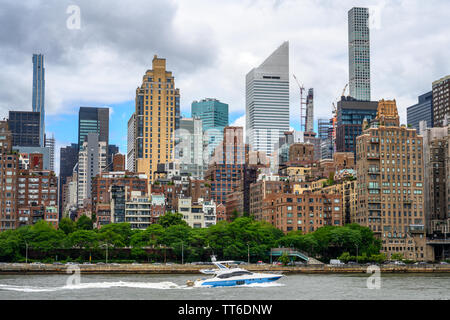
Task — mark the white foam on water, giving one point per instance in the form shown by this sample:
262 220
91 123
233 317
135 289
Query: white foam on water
166 285
95 285
25 289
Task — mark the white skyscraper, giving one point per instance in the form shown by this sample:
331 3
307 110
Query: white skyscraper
267 101
91 161
359 53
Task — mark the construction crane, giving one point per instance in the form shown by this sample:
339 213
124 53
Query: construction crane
343 91
302 102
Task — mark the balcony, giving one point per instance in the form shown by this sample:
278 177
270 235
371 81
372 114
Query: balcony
416 228
373 156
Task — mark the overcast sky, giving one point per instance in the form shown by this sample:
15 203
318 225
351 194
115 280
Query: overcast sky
209 47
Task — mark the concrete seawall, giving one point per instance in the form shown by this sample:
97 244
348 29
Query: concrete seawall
194 269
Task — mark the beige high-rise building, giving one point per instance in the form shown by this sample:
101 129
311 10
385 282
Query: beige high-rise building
390 185
157 117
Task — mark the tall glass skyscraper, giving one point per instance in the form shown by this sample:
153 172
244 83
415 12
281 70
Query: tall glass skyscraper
267 101
93 120
214 116
359 53
39 93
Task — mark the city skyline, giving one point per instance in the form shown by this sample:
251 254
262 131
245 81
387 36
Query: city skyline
318 44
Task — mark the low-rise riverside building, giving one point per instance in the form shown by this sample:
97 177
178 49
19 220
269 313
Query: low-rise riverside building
198 215
304 212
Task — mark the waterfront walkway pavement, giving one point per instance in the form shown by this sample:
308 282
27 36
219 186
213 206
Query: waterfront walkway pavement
22 268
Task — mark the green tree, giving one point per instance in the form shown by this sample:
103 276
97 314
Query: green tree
116 234
10 246
83 239
170 219
345 257
284 258
397 256
67 225
234 215
43 236
84 223
174 234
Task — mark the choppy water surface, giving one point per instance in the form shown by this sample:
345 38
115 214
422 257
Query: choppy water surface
173 287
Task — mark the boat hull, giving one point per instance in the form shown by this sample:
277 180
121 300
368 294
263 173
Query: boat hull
239 282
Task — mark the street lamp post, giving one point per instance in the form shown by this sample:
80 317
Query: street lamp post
106 258
26 252
356 253
182 253
248 253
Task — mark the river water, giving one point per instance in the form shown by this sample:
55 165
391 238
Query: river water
172 287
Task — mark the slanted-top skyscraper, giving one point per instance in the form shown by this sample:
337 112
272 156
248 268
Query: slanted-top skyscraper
267 101
39 93
359 53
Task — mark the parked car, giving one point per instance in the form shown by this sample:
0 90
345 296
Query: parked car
336 262
99 263
443 262
71 263
37 263
420 262
260 263
399 263
57 263
87 263
352 263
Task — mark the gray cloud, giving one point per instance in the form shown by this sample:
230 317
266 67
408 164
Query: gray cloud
116 38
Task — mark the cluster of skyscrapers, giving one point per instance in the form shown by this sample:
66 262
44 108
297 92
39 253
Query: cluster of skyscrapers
361 166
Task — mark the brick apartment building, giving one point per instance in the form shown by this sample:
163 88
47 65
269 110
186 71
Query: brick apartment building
304 212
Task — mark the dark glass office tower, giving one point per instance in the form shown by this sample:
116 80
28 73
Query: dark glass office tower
39 93
25 129
350 116
93 120
422 111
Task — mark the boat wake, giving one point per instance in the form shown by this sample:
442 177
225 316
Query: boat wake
95 285
123 284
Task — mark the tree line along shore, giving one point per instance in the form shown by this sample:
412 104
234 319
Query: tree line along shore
172 240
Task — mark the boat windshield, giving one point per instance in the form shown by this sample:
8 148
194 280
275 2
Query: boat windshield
234 274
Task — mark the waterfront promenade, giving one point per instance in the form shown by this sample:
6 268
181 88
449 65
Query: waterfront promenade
22 268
